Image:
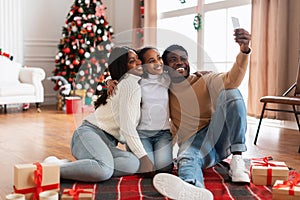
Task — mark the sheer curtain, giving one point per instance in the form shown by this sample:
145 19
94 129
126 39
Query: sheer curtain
144 20
269 72
11 28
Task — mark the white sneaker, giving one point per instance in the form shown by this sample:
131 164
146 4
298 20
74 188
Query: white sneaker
238 171
174 187
53 159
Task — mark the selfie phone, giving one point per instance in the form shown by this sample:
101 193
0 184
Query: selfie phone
235 22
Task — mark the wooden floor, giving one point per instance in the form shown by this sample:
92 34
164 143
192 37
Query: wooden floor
27 137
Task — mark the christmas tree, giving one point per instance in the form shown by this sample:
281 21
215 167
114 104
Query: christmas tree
84 49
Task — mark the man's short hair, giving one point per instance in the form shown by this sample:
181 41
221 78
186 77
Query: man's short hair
170 49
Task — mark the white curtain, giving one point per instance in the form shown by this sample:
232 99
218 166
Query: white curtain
11 28
273 62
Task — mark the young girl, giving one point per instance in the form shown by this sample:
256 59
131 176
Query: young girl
154 127
94 143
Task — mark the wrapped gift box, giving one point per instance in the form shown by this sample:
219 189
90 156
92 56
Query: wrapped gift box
80 194
73 105
286 190
31 179
81 94
264 172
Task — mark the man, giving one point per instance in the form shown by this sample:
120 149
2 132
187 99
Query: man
208 117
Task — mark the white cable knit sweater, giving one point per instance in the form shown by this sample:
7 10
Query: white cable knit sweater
121 115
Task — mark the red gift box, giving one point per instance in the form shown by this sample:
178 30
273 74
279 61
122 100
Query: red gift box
73 105
288 190
78 194
32 179
265 172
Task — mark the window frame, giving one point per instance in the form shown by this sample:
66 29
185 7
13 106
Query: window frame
202 8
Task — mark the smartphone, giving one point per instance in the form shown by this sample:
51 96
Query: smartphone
235 22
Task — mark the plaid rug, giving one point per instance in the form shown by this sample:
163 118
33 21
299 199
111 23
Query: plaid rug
217 181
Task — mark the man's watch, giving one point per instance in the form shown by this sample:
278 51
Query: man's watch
247 52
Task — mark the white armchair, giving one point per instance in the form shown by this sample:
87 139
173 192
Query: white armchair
20 84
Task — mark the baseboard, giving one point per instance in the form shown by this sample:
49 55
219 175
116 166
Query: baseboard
274 123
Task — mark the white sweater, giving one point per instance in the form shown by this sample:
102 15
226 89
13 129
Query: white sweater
155 102
121 115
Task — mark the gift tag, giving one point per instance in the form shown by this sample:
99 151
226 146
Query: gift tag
235 22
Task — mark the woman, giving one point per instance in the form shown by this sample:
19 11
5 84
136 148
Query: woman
94 143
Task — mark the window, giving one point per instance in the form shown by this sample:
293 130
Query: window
215 39
174 5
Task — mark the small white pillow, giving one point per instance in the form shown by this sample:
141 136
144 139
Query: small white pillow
9 70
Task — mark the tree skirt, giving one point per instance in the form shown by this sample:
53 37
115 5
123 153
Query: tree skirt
217 181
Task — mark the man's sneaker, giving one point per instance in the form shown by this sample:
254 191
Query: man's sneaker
55 160
238 171
174 187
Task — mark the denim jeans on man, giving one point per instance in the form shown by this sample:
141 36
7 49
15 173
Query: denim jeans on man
98 157
224 134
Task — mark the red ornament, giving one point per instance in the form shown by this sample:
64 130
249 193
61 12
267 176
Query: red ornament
93 61
70 80
101 78
79 36
86 71
80 10
66 50
75 62
89 29
78 22
81 51
63 73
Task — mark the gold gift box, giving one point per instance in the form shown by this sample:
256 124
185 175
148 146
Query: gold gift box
283 193
24 178
259 172
83 194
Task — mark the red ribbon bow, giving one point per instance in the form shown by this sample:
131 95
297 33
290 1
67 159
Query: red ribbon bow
76 192
290 184
265 162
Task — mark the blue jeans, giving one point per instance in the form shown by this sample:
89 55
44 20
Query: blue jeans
98 157
158 145
224 135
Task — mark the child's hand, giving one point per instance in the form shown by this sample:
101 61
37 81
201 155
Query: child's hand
146 165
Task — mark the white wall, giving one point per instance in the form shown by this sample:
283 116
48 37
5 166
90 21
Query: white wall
120 15
43 21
